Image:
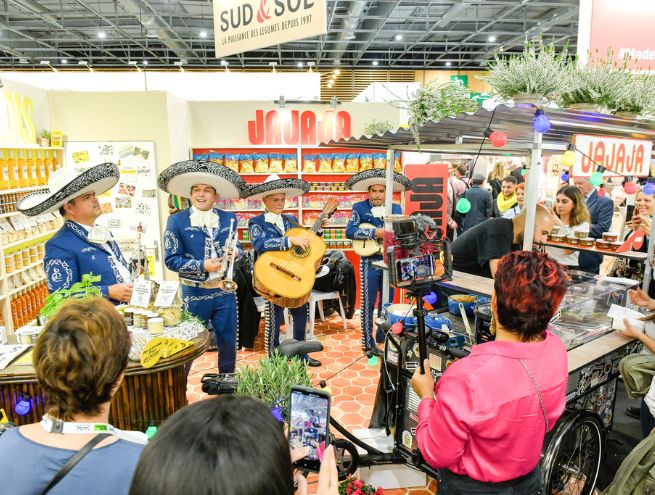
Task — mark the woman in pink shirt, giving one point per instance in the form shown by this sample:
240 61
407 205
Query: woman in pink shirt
485 423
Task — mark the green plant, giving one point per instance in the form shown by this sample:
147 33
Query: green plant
351 486
540 70
378 127
271 380
434 101
600 82
635 95
45 134
84 288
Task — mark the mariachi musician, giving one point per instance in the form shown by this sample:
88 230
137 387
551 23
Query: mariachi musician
366 224
267 233
195 245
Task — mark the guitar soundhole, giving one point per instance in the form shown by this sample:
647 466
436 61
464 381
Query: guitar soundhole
300 251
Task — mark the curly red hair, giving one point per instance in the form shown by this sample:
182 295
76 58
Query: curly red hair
529 288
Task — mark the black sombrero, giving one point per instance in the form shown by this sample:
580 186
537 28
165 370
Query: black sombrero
180 177
65 184
363 180
274 185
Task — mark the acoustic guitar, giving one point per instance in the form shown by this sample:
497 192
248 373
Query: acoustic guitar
286 278
367 247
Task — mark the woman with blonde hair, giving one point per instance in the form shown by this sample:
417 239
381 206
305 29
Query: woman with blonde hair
495 178
571 209
79 361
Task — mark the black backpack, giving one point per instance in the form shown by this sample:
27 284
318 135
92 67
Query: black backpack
341 277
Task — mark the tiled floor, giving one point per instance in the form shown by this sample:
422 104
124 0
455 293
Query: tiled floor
348 374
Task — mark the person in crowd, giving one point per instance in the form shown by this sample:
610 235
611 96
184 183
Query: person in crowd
371 212
460 180
572 211
267 231
516 209
601 210
481 204
81 247
483 435
229 445
507 197
194 244
478 250
79 360
517 173
494 179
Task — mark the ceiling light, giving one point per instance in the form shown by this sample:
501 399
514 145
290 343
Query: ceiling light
273 64
180 63
491 39
336 72
22 60
299 64
311 65
375 62
134 64
145 62
224 63
350 36
448 64
64 61
203 34
102 35
398 37
337 61
44 62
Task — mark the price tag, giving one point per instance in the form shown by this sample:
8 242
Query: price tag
141 293
166 294
161 347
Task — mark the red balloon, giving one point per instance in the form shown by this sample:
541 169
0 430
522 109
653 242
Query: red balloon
630 187
498 139
397 328
601 191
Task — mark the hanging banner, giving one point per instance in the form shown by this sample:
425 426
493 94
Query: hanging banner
623 156
244 25
430 194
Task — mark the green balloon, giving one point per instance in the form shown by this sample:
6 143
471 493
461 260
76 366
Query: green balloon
596 179
524 171
373 361
463 205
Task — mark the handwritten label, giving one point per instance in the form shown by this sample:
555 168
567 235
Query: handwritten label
162 347
80 156
141 293
166 294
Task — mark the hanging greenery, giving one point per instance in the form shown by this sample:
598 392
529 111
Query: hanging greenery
378 127
434 101
636 95
540 71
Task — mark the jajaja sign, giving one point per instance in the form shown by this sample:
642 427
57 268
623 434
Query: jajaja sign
243 25
622 156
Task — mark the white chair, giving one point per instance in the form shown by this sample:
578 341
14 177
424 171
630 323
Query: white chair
319 296
260 302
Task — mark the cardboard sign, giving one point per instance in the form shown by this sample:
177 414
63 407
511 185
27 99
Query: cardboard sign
166 294
430 194
244 25
141 293
162 347
56 139
625 156
632 243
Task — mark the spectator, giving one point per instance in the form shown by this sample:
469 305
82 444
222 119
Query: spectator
517 173
494 178
228 446
481 204
601 210
485 436
516 209
570 208
79 361
507 198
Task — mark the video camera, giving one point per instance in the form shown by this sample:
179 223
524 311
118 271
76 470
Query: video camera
219 383
416 254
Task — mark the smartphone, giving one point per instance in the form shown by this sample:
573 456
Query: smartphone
309 417
416 269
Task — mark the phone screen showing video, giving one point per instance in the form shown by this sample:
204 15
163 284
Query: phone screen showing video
414 269
309 413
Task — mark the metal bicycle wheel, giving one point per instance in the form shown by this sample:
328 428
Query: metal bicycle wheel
347 457
571 458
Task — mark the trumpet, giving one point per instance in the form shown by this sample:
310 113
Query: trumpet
227 261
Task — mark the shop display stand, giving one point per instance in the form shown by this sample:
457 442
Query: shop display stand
24 286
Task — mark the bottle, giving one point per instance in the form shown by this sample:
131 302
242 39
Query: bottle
23 172
14 313
48 165
55 161
4 172
14 174
31 168
40 169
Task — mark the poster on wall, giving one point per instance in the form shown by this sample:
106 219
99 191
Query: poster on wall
133 201
429 195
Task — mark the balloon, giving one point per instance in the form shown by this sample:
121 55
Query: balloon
463 205
498 139
397 328
373 361
431 298
630 187
649 188
540 123
568 158
564 177
596 179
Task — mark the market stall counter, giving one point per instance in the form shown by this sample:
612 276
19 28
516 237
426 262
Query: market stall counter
146 397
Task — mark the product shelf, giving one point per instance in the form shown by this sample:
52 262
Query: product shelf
22 189
29 285
30 147
30 241
25 268
631 255
11 213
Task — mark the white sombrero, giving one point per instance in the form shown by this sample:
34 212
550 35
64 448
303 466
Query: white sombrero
363 180
274 185
180 177
67 183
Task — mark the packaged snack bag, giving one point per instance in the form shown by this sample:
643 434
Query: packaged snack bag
201 156
291 162
261 163
365 161
397 165
275 163
232 161
246 164
339 163
325 164
379 160
217 157
309 164
352 162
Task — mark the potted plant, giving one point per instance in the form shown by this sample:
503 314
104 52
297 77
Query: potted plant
353 486
271 380
81 289
597 85
635 97
378 127
434 101
539 73
44 138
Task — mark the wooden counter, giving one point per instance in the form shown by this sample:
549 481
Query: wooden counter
145 396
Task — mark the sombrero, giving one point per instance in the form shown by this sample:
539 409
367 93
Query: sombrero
363 180
180 177
67 183
274 185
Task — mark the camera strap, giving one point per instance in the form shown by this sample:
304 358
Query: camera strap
534 383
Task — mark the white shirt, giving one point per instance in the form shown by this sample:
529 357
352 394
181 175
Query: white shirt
123 271
275 219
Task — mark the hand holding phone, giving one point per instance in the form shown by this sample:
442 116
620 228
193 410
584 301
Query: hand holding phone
309 416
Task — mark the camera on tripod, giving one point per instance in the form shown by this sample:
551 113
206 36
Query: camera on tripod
416 253
219 383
